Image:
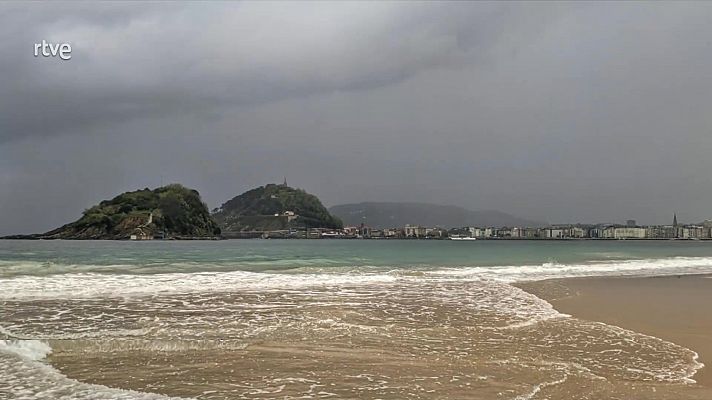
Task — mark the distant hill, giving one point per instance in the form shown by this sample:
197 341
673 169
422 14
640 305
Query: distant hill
383 215
170 211
269 208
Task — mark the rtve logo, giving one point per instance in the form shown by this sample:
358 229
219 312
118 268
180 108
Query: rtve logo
61 50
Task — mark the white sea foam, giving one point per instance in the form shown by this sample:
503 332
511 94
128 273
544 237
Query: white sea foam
539 387
29 349
480 290
108 285
517 273
28 378
90 285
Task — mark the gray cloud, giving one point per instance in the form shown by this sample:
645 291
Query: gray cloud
171 58
554 111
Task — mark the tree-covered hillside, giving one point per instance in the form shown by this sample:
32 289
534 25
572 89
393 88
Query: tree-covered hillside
267 207
170 211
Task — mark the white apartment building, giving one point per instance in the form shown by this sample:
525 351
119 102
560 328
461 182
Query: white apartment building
628 233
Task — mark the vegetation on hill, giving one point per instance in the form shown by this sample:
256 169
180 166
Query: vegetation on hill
169 211
265 208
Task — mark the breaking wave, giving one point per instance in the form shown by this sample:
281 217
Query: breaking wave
119 308
89 285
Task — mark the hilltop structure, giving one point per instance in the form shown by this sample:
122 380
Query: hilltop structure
272 208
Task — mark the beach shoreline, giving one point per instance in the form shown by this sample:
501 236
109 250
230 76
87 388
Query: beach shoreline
671 308
268 319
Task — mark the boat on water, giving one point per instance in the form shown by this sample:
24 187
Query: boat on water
462 238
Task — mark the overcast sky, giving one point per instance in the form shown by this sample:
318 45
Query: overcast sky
594 112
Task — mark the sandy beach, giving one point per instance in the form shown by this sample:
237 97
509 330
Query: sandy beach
673 308
206 326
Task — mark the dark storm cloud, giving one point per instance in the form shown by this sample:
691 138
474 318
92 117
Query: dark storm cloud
555 111
136 61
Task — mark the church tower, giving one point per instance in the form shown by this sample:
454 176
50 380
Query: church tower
675 229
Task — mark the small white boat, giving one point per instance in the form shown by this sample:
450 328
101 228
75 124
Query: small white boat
462 238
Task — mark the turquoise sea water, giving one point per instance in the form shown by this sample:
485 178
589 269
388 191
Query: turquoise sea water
274 256
398 319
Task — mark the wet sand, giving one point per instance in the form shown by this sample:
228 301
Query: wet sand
403 338
673 308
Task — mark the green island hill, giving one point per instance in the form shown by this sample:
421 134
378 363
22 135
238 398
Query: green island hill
169 212
274 207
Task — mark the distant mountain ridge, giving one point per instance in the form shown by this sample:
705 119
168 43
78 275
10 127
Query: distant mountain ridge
396 214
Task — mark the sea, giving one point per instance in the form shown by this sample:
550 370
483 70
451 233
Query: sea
312 319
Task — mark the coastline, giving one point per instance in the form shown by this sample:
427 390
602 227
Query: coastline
672 308
361 319
33 237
